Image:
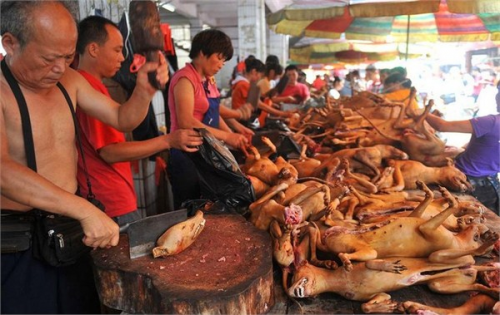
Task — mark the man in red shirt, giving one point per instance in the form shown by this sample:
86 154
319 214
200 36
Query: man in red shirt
295 92
318 83
106 152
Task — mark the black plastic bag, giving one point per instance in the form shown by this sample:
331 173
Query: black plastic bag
286 147
220 176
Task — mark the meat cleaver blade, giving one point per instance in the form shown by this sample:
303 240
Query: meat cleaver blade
143 234
279 88
253 95
146 33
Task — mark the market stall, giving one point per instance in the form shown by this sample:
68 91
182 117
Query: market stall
329 183
199 280
370 204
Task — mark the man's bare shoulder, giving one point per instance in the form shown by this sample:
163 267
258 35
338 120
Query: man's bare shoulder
5 91
72 79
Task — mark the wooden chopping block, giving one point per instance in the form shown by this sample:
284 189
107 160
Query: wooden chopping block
227 270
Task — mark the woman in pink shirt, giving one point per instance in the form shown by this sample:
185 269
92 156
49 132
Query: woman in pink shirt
193 101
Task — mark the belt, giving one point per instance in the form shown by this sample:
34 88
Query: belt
483 181
16 230
16 215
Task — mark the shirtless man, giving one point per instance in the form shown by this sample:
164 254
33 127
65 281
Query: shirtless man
39 38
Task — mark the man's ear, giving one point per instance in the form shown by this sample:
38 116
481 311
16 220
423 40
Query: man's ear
93 49
10 43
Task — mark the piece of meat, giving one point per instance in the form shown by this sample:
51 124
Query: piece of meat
417 237
305 167
264 169
491 278
478 304
368 160
293 215
180 236
259 186
368 280
409 171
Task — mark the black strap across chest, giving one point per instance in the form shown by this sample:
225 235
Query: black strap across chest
29 145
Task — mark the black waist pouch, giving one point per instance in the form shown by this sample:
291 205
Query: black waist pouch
58 240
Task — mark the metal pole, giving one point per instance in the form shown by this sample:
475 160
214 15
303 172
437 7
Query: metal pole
407 39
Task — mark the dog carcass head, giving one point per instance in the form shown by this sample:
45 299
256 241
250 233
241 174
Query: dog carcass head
304 282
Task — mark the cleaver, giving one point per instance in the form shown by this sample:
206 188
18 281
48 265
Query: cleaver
279 88
253 95
143 234
147 37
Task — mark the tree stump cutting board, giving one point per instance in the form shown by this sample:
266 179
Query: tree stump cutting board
227 270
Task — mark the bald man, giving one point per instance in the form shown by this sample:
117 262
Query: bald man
39 38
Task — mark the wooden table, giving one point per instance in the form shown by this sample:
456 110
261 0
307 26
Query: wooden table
170 285
227 270
330 303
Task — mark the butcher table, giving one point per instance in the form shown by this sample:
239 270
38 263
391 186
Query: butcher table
228 270
329 303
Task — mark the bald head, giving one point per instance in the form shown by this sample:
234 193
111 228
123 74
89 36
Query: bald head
40 40
23 18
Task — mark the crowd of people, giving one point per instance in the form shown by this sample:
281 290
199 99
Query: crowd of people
41 39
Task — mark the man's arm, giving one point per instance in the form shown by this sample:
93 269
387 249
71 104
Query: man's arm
305 94
23 185
284 99
463 126
183 139
123 117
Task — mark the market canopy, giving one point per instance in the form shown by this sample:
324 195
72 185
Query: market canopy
309 50
307 10
395 21
315 51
